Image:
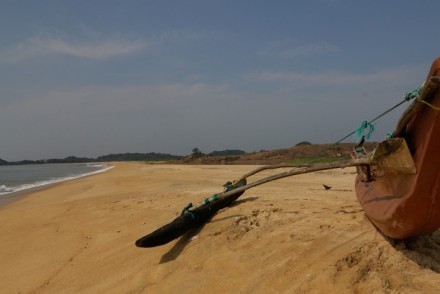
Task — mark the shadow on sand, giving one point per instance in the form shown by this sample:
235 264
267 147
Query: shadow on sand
177 249
424 250
244 200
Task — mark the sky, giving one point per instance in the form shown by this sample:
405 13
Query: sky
88 78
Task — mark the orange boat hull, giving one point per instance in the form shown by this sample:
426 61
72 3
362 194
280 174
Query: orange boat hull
403 206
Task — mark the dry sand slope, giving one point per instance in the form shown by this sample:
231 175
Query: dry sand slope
290 236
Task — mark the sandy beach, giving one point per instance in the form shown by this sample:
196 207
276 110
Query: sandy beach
289 236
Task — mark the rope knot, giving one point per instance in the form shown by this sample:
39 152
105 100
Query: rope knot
414 94
360 131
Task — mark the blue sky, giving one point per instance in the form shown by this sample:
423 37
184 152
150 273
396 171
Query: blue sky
88 78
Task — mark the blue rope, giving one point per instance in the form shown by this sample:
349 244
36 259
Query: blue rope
414 94
360 131
409 96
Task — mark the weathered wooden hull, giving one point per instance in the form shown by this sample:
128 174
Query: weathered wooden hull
403 206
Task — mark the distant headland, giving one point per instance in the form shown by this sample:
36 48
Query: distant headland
298 154
151 156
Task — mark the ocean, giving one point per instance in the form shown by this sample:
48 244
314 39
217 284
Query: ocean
14 178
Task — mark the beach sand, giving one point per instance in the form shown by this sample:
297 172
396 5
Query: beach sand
289 236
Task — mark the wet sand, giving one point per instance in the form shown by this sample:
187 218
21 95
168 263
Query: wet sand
288 236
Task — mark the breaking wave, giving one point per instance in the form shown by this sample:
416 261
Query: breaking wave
11 189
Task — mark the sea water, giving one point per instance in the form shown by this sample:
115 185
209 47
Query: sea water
14 178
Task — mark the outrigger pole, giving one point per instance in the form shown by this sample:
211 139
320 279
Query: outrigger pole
390 156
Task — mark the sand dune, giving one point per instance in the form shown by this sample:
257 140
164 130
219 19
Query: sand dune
289 236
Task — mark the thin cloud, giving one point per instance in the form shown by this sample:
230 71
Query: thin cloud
311 49
289 48
41 47
336 78
100 50
182 35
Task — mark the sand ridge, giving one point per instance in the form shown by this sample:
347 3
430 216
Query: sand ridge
288 236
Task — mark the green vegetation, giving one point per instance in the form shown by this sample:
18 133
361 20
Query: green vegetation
196 153
152 156
305 160
227 152
146 157
303 143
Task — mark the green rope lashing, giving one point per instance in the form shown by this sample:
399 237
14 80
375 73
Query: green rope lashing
210 199
409 96
187 211
360 131
414 94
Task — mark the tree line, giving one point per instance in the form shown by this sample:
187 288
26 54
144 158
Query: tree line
151 156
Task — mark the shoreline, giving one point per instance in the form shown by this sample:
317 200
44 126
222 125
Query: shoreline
10 197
